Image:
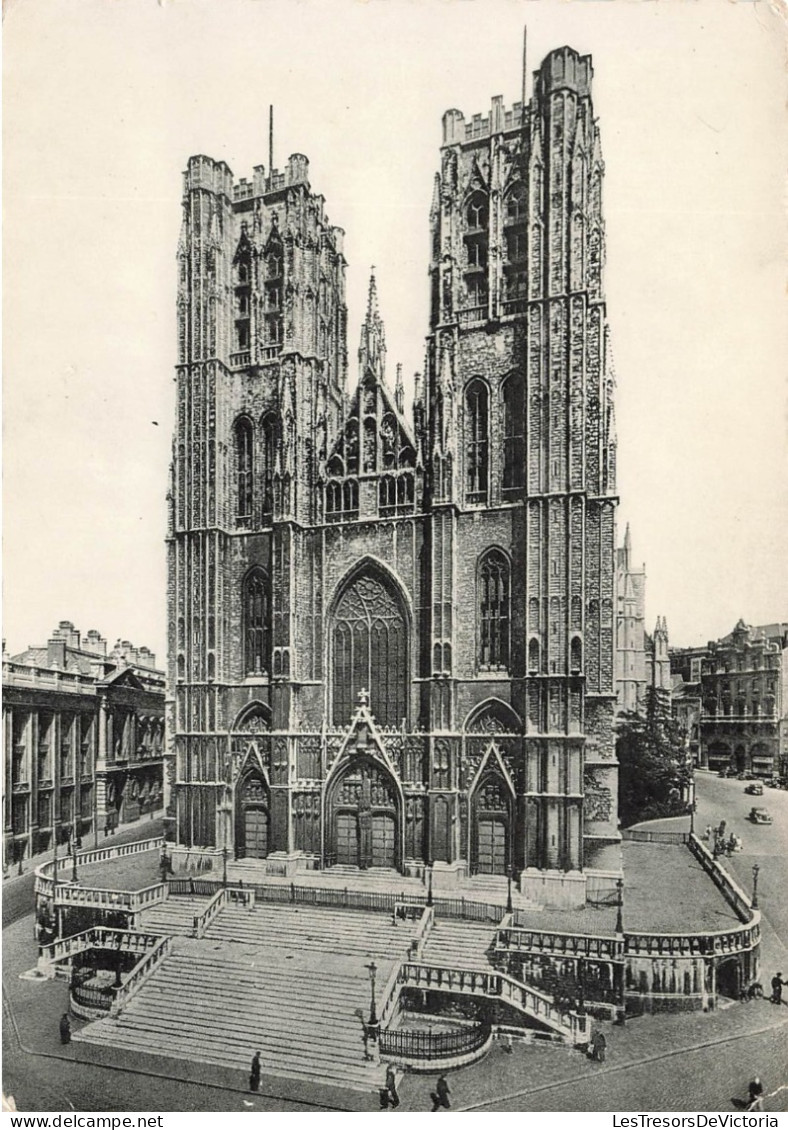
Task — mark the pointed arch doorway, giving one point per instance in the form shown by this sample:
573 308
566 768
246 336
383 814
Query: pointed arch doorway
253 817
364 818
492 825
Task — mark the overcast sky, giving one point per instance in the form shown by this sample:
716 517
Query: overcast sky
106 99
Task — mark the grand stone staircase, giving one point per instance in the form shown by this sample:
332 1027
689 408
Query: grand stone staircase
291 981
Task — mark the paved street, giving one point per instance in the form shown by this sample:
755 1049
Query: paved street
767 845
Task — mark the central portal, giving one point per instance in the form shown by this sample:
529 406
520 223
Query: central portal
363 817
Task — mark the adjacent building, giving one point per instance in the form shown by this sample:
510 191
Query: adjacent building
744 701
391 636
630 631
685 672
659 682
83 740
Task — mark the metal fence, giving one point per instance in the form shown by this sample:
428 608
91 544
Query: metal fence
93 996
413 1044
344 898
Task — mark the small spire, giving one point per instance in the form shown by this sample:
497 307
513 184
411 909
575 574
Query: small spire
399 391
372 296
628 540
372 348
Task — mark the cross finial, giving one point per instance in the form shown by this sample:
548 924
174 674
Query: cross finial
363 698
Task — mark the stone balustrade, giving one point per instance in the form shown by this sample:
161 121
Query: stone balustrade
496 986
140 973
517 939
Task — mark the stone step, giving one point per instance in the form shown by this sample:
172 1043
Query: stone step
330 931
289 1062
173 916
458 945
218 1001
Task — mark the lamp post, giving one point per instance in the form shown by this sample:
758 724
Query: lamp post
620 906
755 870
509 905
73 858
429 884
54 875
373 1016
581 986
224 865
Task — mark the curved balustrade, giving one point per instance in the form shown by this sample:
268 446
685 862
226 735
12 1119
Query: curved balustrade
99 855
410 1044
515 939
96 998
694 945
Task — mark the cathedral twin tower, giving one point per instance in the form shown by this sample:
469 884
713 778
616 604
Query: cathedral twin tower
391 635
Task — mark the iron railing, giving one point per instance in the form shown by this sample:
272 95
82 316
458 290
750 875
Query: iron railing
100 998
412 1044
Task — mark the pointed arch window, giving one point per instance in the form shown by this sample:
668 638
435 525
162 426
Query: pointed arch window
477 441
516 204
369 638
513 432
274 279
257 622
476 211
269 431
494 600
244 469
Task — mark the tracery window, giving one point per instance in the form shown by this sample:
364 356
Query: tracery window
494 610
257 622
477 441
513 432
341 500
369 641
476 212
244 464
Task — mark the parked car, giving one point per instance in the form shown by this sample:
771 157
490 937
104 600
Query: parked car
760 816
774 783
755 788
731 773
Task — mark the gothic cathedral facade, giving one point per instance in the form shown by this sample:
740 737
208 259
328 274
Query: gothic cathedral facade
391 635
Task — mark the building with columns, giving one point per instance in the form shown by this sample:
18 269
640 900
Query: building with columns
392 635
83 740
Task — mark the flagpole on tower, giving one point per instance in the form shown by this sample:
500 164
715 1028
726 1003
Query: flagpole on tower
525 68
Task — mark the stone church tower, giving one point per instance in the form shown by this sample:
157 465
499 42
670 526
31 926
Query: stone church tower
392 644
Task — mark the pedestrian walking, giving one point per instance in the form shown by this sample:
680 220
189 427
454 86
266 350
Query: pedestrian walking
777 988
440 1096
254 1074
65 1029
391 1086
756 1094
